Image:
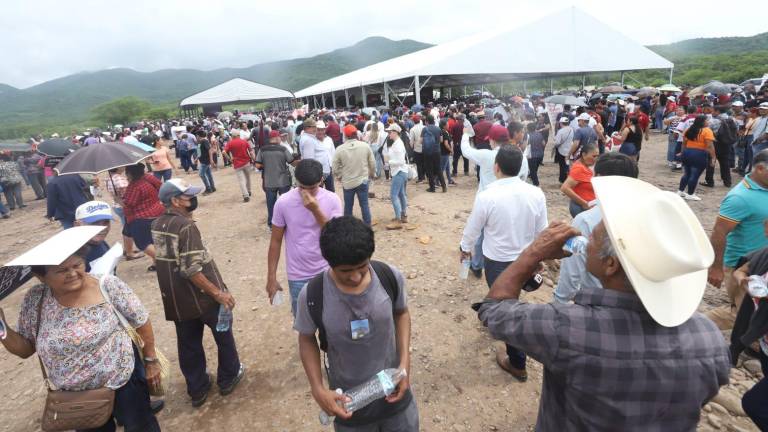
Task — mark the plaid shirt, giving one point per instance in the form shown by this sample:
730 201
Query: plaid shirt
9 172
609 367
140 200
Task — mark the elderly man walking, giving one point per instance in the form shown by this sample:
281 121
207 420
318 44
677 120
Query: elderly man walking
354 164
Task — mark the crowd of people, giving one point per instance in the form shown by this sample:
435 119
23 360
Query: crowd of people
635 283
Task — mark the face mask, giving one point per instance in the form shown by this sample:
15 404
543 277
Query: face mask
192 204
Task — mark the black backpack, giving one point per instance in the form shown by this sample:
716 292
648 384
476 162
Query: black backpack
728 132
315 296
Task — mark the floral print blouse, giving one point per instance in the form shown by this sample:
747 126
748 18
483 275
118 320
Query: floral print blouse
84 348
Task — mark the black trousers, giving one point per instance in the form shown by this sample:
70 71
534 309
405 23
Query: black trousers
434 173
492 271
533 168
560 159
419 159
189 335
456 156
725 170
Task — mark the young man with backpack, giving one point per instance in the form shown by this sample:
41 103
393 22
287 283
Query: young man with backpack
430 146
726 134
359 309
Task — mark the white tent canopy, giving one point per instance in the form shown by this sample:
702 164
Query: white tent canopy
566 43
236 90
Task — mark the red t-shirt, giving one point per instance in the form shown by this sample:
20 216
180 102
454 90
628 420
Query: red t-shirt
582 174
238 148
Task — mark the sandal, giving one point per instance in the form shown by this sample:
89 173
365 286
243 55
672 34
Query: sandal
133 257
151 268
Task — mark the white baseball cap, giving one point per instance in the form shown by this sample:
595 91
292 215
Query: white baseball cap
672 98
584 116
321 125
738 103
175 187
93 211
565 119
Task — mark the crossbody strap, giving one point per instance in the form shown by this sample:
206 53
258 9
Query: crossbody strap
37 333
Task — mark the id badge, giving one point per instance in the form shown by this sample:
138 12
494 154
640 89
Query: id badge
359 328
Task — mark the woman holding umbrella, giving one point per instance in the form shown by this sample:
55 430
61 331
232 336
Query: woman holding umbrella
68 304
141 207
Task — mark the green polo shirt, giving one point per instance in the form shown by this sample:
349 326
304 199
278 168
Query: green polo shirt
747 205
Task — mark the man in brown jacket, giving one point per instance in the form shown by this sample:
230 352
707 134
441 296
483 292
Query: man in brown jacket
192 291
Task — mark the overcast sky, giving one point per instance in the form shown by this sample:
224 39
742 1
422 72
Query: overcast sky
45 39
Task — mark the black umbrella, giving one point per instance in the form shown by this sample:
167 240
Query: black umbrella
97 158
12 278
56 147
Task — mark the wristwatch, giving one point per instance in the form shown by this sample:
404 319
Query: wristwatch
150 360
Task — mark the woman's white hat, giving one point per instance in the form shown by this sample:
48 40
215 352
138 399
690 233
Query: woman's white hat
660 243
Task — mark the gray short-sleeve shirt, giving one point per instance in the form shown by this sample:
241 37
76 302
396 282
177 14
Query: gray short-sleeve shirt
352 362
275 159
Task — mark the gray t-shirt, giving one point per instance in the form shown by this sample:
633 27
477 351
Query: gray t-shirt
352 362
275 159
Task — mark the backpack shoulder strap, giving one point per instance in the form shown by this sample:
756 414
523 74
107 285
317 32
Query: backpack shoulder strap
315 306
388 280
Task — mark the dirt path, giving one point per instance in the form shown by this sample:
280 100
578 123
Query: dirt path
454 376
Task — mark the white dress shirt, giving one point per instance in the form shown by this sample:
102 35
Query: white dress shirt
485 159
510 213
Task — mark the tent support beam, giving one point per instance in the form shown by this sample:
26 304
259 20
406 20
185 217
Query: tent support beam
524 88
671 72
424 84
386 95
394 93
583 80
365 98
417 89
551 85
622 78
501 92
333 95
346 96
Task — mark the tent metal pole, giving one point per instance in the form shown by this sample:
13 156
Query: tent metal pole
622 78
386 95
551 85
524 88
333 95
583 81
449 93
417 89
346 96
314 99
502 90
671 72
465 90
365 98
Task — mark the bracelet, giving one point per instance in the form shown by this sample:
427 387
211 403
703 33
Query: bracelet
150 360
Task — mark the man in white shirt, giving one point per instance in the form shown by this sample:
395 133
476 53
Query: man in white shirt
504 200
563 142
311 148
415 137
485 159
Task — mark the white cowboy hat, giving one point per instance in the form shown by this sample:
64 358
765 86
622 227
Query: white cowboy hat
660 243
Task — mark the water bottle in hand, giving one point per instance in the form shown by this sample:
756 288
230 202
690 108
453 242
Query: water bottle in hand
225 319
464 269
326 419
379 386
576 245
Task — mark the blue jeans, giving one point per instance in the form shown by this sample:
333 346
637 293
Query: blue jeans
445 166
379 163
295 286
13 195
478 261
272 194
3 209
362 196
755 400
671 148
694 164
132 407
398 195
163 175
659 118
574 208
67 224
205 174
186 159
492 271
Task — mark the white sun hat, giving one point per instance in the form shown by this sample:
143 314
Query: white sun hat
660 243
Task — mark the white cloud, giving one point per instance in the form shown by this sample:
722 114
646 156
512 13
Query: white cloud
46 39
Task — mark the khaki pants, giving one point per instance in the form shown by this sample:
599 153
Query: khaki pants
244 179
724 316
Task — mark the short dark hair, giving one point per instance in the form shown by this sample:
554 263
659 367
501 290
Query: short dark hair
135 172
430 119
309 172
616 164
761 158
531 127
514 127
509 159
588 147
346 240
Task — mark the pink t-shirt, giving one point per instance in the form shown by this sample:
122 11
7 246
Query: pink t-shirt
303 259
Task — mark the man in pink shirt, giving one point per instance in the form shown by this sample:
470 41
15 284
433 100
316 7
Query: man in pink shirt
299 216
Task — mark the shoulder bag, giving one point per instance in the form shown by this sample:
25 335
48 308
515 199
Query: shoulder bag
162 360
68 410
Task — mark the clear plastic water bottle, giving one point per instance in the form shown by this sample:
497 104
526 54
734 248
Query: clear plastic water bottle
379 386
757 287
464 269
225 319
576 245
277 299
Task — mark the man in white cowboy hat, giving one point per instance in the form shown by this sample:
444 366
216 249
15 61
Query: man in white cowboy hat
635 355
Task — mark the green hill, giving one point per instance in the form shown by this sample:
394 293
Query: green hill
68 100
712 46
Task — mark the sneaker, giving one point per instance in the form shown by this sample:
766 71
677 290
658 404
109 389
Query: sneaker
431 190
199 399
246 199
709 185
681 193
404 219
692 197
477 272
229 388
6 216
678 167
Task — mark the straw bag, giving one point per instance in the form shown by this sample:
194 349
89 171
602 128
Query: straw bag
67 410
162 361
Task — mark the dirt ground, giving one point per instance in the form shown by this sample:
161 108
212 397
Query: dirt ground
454 376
